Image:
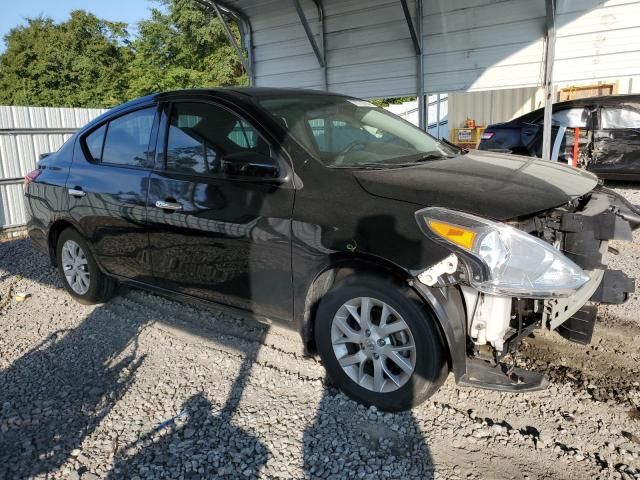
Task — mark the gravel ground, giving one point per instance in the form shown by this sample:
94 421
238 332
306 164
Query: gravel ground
145 387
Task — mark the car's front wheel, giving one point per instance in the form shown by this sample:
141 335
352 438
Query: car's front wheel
379 343
80 274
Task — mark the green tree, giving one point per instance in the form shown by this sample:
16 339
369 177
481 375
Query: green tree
181 47
81 62
385 102
89 62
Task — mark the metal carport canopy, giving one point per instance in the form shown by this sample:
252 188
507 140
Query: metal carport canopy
368 50
394 48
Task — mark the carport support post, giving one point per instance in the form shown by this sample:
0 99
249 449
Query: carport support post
422 117
415 30
548 78
232 40
319 52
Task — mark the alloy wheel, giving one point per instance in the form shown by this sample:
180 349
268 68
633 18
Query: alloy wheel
373 344
75 267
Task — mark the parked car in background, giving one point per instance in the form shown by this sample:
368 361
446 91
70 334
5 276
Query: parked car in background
600 134
397 257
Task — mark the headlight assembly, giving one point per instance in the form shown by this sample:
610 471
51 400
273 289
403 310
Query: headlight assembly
503 260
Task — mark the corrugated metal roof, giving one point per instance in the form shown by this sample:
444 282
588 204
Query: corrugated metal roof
597 40
468 45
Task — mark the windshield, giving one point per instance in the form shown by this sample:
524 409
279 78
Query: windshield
347 132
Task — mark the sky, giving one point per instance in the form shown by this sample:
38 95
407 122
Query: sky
14 12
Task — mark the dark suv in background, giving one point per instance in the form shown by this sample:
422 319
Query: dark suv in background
396 257
601 134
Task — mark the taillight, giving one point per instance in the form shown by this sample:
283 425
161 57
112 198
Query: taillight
487 135
31 176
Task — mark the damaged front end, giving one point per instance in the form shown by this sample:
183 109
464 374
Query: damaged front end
505 302
582 231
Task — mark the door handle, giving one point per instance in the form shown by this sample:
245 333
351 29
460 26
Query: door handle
168 205
77 192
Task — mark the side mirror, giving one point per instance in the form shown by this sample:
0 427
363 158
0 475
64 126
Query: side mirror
249 164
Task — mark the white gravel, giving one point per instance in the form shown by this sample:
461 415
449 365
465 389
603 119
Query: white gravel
145 387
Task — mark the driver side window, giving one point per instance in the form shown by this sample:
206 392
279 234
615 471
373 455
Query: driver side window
206 139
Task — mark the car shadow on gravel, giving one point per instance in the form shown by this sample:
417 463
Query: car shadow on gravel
197 443
20 258
347 440
56 394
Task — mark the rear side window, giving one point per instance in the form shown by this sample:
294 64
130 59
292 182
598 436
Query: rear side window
127 139
94 143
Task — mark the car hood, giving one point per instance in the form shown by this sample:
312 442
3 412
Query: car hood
488 184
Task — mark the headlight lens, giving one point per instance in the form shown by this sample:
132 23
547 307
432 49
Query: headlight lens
503 259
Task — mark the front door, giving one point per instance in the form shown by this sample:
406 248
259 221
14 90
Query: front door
219 208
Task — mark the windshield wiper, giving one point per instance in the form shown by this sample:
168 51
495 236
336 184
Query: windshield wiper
363 165
461 151
431 156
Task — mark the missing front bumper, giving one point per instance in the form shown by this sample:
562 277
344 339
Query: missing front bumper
575 320
559 310
483 374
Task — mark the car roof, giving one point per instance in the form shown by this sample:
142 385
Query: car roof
237 92
605 100
244 91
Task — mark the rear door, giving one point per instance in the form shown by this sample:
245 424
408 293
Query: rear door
617 141
107 188
220 205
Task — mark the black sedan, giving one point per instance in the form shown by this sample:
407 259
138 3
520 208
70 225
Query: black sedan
600 134
398 258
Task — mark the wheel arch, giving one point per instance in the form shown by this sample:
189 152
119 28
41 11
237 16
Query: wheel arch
55 230
343 266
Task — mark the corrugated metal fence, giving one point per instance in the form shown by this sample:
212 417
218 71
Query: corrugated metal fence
25 133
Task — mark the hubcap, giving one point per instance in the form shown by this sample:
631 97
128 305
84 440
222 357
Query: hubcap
373 344
75 267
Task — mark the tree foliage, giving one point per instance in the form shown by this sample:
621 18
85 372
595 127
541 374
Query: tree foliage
385 102
184 47
89 62
80 62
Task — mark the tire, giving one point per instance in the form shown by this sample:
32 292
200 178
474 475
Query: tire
95 286
428 355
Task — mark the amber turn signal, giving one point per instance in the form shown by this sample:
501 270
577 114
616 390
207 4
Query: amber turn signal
453 233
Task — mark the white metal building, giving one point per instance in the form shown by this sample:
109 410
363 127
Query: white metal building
25 133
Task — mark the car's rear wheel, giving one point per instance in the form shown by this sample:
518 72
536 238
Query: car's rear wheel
379 343
80 274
